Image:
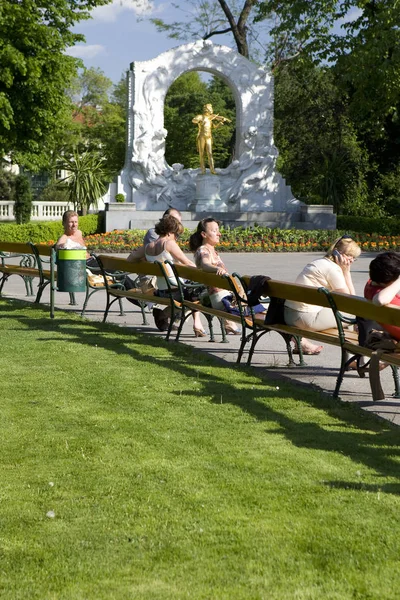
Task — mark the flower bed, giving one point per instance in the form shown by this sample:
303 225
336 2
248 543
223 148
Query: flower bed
255 239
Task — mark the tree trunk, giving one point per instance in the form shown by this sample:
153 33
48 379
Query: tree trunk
239 29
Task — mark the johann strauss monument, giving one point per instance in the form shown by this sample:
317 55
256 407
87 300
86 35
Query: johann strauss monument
249 190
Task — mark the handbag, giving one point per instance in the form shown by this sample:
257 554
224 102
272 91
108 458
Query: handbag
276 312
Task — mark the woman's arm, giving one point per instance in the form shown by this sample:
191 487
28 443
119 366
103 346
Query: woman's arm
386 295
345 263
177 254
206 265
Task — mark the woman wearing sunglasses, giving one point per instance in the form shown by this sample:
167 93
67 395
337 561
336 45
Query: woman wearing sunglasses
332 272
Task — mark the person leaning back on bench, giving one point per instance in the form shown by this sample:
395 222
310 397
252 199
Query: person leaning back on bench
331 272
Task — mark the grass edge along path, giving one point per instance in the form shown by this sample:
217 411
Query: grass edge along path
133 468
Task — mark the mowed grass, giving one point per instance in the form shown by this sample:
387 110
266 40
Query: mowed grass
133 468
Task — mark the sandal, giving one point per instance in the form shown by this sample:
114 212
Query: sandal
317 350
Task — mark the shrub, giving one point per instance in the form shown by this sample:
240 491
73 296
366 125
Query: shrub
23 200
380 226
45 231
119 198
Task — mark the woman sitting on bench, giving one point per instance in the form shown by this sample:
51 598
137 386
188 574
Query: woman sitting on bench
164 248
202 242
332 272
383 287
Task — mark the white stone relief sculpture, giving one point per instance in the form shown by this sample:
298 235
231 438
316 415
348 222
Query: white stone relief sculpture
249 183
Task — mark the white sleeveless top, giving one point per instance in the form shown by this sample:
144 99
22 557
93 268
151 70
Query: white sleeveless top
162 257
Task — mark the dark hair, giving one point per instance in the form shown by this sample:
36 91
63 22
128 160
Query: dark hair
385 268
168 225
170 210
196 239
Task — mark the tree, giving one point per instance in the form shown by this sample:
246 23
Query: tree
99 119
86 178
90 88
23 200
209 18
359 38
34 36
108 131
7 184
320 155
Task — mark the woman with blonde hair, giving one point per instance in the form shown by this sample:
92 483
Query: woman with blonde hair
332 272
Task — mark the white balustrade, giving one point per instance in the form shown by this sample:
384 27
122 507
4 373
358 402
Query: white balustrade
41 211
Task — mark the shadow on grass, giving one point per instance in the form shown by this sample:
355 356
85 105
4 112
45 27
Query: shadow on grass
366 440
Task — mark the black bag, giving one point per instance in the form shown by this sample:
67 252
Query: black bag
365 326
161 318
257 289
276 312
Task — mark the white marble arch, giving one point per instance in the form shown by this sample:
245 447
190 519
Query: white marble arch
250 182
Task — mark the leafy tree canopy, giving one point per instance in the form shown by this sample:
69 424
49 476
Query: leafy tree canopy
99 118
360 39
35 70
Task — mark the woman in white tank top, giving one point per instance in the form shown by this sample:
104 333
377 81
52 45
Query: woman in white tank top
166 248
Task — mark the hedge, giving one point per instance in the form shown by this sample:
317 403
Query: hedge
46 231
382 226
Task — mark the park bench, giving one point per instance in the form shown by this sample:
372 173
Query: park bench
112 263
175 299
31 261
18 259
186 274
344 338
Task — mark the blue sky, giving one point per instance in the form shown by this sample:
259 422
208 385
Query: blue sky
115 38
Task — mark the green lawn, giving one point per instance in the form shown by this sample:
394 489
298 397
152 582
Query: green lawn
173 476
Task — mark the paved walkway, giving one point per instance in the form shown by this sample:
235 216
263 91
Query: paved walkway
320 371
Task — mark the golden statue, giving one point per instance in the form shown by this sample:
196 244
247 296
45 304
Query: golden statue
205 123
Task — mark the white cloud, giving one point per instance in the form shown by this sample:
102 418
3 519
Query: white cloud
111 12
86 51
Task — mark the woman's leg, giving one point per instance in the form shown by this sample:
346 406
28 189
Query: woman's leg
316 321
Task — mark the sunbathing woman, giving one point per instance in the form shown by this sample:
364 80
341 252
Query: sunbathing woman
73 237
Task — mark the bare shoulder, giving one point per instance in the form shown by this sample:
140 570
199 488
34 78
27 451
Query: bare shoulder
61 241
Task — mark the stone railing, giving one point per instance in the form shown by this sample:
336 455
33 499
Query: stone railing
41 211
46 211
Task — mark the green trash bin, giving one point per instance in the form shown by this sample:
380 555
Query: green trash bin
71 270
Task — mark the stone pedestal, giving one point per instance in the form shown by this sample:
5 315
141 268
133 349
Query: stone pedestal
118 213
207 194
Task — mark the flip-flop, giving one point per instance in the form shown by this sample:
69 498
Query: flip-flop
314 352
